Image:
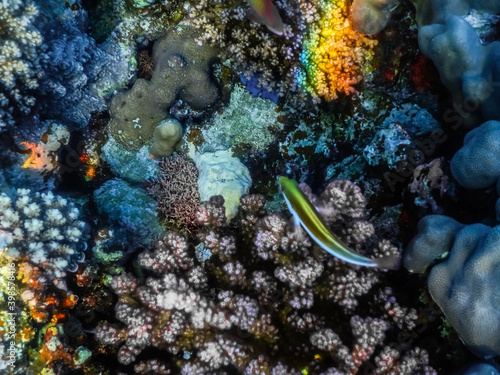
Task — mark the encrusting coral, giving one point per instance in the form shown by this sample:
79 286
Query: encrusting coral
265 284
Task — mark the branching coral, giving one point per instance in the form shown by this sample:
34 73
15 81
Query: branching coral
41 238
19 58
334 55
176 192
42 230
258 297
252 50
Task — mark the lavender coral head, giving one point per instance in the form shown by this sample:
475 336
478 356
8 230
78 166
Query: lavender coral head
306 215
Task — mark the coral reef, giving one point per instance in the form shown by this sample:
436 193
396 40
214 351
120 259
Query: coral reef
462 283
131 165
438 11
41 239
166 136
42 229
247 121
334 55
43 156
182 71
398 134
130 207
471 75
20 46
260 296
250 48
476 164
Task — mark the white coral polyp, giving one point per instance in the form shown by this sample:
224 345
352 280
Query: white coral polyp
73 234
22 202
53 234
55 217
33 226
11 216
32 210
43 229
5 202
48 199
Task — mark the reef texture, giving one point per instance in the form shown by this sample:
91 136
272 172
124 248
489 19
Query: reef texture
176 192
20 47
462 283
182 71
251 298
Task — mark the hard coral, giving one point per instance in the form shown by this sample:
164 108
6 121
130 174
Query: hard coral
251 49
20 44
254 295
471 73
42 230
182 71
176 192
463 283
334 55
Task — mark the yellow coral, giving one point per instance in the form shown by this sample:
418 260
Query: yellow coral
334 53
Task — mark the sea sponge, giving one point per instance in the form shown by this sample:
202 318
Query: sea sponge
182 71
371 16
477 164
465 284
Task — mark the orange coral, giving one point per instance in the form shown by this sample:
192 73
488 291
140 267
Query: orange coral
334 54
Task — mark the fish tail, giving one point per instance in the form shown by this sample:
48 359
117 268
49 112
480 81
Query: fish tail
390 262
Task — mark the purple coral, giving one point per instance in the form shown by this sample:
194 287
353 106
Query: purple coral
257 297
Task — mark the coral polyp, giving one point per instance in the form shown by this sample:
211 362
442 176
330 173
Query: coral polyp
334 55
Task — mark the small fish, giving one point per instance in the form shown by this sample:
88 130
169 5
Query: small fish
306 215
265 13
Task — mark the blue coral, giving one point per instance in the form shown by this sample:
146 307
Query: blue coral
465 284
